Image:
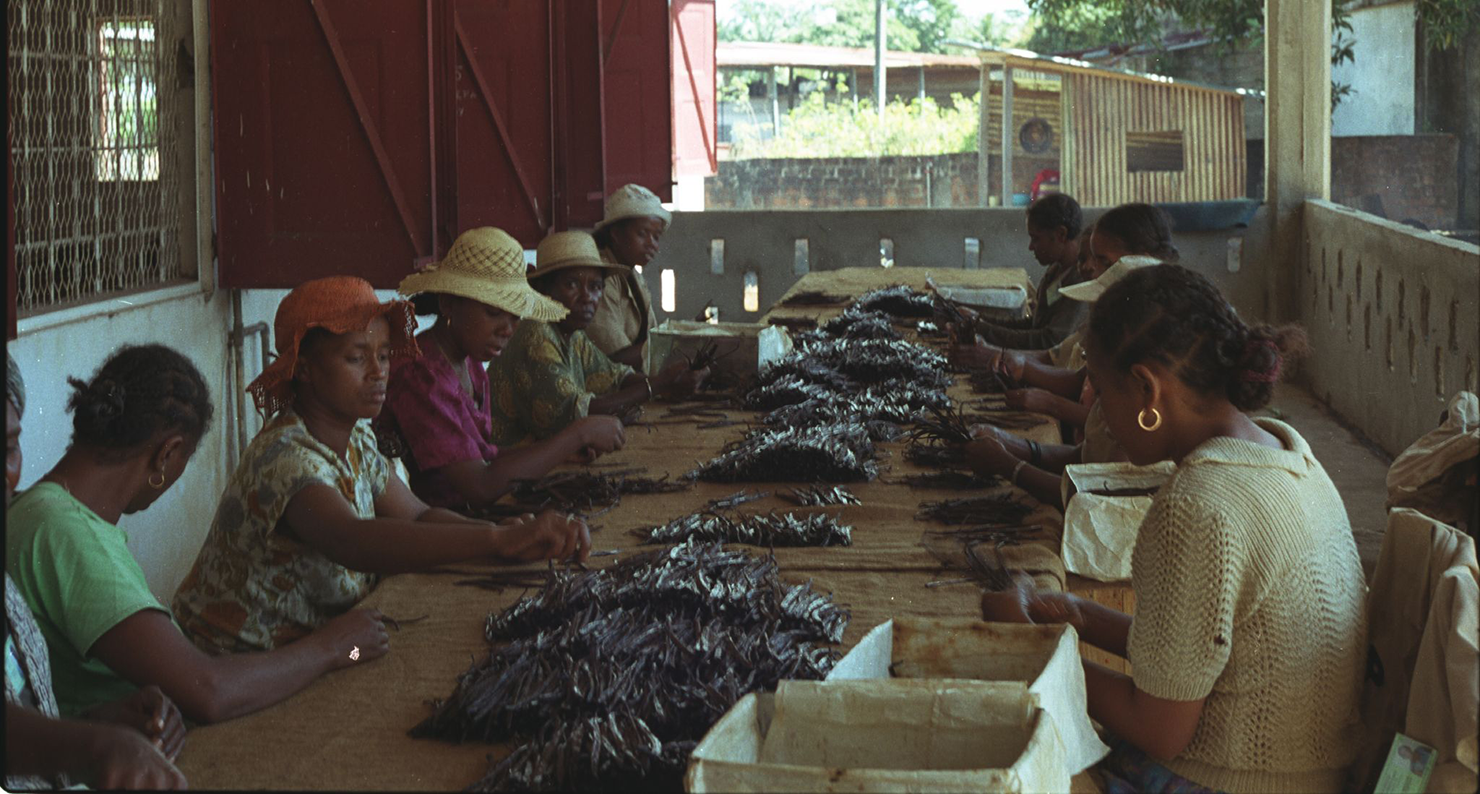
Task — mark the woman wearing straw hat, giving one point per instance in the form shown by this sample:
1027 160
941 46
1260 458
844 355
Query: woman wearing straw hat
551 375
628 236
314 515
437 414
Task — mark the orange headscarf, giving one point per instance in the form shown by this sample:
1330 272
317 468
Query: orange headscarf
338 304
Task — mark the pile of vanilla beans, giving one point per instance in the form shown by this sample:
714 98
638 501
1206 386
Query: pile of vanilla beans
606 679
585 493
771 530
832 453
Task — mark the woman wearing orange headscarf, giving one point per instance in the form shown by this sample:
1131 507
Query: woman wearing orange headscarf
314 515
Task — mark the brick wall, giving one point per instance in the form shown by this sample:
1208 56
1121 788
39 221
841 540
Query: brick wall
1403 176
942 180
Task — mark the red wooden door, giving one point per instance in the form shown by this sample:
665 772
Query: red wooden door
323 139
362 141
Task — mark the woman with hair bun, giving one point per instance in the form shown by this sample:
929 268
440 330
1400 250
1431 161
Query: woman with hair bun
1247 646
136 425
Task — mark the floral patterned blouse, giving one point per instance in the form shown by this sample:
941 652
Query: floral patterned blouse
255 586
545 380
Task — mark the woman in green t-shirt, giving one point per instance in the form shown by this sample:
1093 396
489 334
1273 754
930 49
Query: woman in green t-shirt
135 426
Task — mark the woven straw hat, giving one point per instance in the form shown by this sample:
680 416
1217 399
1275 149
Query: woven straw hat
1090 291
486 265
564 250
634 201
339 305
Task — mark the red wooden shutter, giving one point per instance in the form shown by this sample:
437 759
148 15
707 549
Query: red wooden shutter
639 95
323 142
693 83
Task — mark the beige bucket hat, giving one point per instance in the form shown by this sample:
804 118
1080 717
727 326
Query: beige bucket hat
634 201
1090 291
564 250
486 265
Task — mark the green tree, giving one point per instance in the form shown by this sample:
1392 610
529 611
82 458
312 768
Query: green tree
910 25
1234 24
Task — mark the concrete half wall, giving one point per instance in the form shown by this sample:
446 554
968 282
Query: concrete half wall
1392 317
779 246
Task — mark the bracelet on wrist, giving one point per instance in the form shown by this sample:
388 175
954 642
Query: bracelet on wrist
1035 452
1016 470
648 382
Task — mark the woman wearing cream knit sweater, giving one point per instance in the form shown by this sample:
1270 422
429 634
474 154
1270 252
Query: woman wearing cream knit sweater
1247 644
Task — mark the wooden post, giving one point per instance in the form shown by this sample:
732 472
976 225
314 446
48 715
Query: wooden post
1007 135
1297 133
983 151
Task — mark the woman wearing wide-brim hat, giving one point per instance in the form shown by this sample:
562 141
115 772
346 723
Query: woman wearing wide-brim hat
628 235
551 374
437 411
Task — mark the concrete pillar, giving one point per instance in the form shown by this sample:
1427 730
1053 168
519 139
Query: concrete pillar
880 81
1007 135
983 151
775 101
922 84
1297 134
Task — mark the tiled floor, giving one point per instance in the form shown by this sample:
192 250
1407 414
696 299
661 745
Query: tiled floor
1358 469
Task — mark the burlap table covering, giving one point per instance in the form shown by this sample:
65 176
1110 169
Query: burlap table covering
349 729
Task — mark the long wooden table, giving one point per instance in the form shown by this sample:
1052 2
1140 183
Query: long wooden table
349 729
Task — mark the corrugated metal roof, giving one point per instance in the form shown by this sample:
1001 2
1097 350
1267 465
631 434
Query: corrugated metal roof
743 54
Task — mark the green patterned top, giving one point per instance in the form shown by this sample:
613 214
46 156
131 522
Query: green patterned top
545 380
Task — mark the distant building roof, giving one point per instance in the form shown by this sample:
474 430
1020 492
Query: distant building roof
752 54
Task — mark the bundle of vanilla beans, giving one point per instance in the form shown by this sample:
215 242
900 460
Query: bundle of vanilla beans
587 493
951 480
855 323
840 452
770 530
813 298
999 509
606 679
898 301
816 495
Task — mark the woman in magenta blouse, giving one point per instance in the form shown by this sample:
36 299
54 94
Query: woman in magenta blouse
437 415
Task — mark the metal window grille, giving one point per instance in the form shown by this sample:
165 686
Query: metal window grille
94 145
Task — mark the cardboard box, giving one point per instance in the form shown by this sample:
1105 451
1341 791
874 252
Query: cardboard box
897 735
1100 530
1000 303
744 348
1045 659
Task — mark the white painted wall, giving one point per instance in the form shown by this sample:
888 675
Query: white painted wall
165 538
1381 74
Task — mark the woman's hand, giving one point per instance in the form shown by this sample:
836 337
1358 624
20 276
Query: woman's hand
987 455
600 434
677 380
123 759
547 536
1029 399
1023 603
1009 365
975 354
356 636
150 712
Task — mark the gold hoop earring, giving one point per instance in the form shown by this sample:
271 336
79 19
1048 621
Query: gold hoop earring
1141 420
157 485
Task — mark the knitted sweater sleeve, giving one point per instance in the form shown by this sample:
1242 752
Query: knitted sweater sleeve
1186 569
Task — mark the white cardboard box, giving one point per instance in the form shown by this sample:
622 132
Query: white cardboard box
1100 531
900 735
1045 659
745 348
